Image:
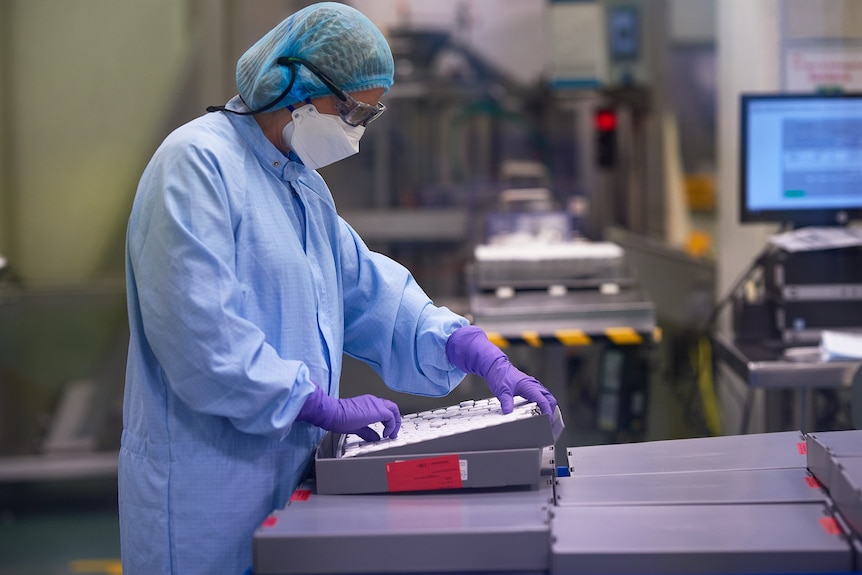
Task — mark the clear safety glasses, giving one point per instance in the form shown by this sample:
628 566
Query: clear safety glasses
350 110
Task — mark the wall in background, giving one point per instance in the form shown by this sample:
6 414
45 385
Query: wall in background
5 114
89 87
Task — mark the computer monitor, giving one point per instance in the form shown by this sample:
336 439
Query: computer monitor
801 158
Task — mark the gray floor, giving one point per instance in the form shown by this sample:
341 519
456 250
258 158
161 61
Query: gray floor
59 528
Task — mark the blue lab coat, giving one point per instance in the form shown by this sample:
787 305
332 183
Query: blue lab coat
245 287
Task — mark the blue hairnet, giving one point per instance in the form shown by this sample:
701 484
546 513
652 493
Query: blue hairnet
341 41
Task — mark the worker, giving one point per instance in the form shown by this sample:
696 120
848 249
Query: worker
245 289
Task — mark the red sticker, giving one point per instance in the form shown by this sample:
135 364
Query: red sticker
802 447
443 472
812 481
830 526
270 521
301 495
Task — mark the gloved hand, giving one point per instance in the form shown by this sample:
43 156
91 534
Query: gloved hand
470 350
351 415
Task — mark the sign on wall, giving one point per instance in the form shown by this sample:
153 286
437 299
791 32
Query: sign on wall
819 68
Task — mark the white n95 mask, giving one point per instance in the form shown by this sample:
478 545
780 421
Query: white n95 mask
320 139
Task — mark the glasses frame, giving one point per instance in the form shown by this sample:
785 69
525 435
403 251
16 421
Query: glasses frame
351 111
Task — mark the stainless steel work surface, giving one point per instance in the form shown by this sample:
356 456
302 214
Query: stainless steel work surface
826 448
691 487
693 539
762 366
785 449
501 531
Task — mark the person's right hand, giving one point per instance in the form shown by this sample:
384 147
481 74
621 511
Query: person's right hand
351 415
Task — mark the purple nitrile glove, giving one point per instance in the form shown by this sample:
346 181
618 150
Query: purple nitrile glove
351 415
470 350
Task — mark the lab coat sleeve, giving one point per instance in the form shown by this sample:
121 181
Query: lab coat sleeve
181 249
391 324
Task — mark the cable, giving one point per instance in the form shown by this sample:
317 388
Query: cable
701 349
706 385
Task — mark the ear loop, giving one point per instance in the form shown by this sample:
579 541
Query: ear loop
263 108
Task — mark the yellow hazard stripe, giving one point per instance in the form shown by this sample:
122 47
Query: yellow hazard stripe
532 338
576 337
102 566
573 337
623 335
497 339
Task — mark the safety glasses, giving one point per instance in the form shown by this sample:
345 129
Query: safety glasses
350 110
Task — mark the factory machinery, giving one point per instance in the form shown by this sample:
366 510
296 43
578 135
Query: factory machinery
783 502
534 281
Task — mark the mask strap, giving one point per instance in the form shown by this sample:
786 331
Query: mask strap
292 109
262 108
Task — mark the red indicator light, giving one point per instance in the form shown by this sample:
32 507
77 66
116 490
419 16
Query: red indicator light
606 120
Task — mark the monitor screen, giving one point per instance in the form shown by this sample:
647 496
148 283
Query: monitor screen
801 160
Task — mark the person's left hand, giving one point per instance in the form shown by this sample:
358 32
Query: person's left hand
469 349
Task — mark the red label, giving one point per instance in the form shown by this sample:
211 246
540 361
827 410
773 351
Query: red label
830 526
812 481
802 447
301 495
270 521
423 474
